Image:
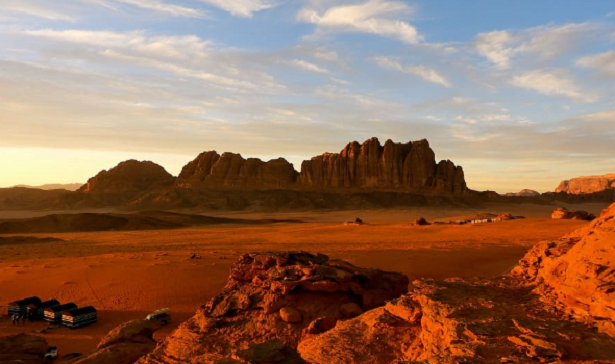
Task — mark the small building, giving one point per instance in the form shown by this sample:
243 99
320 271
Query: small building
54 314
21 307
79 317
36 311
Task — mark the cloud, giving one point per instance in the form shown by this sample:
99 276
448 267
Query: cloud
557 83
500 47
242 8
378 17
171 9
308 66
426 73
31 8
603 63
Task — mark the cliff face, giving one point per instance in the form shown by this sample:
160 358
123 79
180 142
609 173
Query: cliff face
231 170
129 176
407 166
588 184
400 166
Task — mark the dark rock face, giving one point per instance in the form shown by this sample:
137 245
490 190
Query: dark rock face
231 170
249 321
406 166
129 176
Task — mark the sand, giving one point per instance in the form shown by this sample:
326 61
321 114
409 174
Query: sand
126 275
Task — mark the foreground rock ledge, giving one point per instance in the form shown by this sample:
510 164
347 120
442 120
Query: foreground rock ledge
243 324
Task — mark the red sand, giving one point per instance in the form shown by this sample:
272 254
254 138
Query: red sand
125 275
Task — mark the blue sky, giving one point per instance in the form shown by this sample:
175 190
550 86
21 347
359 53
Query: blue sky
520 93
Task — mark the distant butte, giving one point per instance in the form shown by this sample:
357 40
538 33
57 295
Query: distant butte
588 184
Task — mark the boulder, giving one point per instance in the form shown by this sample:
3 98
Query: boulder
420 222
564 213
350 310
290 315
124 344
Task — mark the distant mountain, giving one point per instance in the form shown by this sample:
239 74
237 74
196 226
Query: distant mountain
523 193
130 176
587 184
55 186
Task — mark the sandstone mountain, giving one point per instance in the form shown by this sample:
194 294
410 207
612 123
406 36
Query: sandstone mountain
589 184
232 171
402 166
369 166
523 193
129 177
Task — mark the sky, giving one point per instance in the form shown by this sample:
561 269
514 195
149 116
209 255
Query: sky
520 93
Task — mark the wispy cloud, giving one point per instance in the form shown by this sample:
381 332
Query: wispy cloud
160 6
34 9
378 17
426 73
308 66
500 47
242 8
603 63
557 82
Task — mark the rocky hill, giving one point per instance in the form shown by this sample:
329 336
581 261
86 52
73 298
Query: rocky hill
55 186
523 193
129 177
589 184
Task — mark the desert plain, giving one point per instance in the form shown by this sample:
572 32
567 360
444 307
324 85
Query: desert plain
128 274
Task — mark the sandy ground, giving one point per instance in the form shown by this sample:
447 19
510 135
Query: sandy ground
126 275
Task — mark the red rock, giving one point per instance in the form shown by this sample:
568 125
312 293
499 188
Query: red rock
290 315
420 222
564 213
284 283
350 310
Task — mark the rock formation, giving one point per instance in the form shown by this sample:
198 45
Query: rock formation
523 193
270 302
404 166
22 348
129 176
420 222
589 184
124 344
564 213
231 170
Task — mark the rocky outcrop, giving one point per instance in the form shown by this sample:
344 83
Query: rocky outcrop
270 302
577 272
564 213
22 348
124 344
128 177
523 193
231 170
405 166
589 184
